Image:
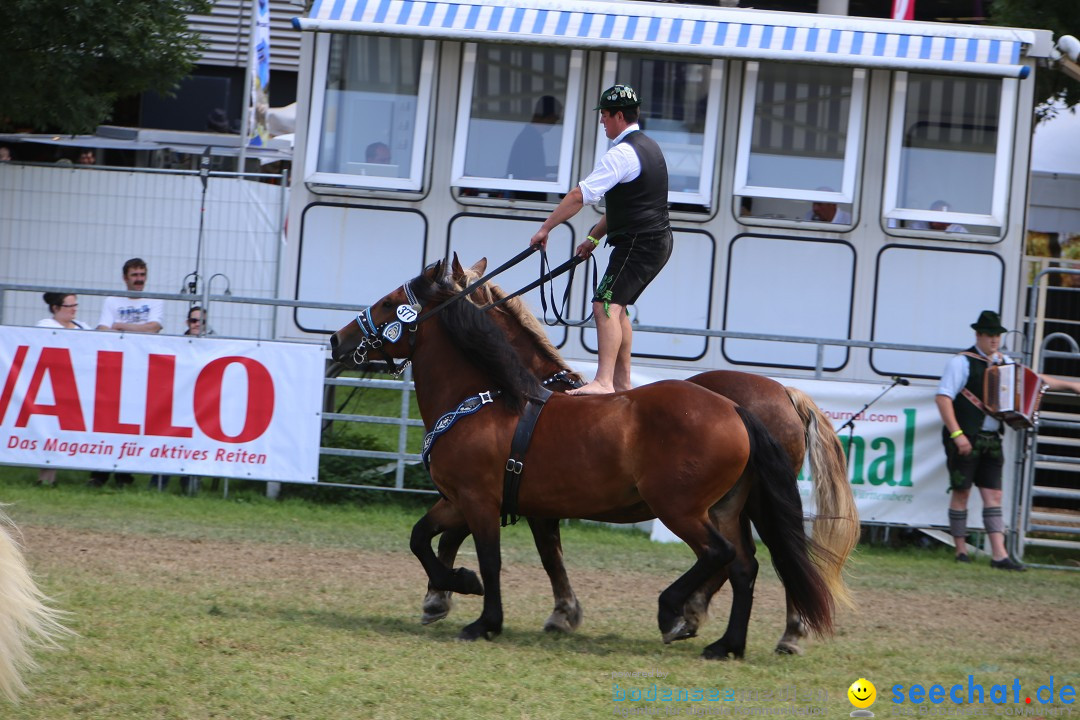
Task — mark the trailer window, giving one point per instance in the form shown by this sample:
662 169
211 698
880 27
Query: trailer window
513 140
950 143
680 110
371 105
799 137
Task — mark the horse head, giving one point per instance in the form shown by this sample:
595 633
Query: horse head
379 328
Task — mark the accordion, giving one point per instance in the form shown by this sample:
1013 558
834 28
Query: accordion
1012 393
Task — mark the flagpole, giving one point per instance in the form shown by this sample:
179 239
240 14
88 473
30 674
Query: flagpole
245 108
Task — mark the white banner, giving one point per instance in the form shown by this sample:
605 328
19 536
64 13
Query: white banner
896 461
160 404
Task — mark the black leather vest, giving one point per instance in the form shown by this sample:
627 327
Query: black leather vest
641 205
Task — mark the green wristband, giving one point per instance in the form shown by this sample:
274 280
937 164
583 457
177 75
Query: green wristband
956 434
594 241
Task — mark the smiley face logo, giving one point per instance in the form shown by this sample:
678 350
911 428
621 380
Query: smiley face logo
862 693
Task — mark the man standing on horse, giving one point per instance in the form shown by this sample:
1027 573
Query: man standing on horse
633 178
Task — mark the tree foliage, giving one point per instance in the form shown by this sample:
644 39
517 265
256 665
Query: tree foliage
1052 87
66 62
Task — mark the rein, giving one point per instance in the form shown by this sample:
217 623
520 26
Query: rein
502 268
545 277
559 319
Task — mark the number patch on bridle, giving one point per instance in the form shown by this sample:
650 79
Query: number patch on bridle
407 313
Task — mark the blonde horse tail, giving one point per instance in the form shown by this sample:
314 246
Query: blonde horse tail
26 618
836 523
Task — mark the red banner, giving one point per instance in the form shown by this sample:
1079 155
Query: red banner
160 404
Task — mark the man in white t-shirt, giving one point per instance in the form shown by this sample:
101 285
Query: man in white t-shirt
127 314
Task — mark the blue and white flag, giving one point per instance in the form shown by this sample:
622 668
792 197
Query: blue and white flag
257 132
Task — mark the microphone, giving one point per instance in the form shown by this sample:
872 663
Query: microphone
900 381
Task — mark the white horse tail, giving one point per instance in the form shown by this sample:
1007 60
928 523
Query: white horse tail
26 618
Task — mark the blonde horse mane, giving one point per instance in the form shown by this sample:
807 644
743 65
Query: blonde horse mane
489 292
26 619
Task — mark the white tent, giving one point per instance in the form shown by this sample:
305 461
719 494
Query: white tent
1054 202
1056 145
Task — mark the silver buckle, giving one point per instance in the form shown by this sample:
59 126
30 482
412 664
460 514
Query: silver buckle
485 397
514 466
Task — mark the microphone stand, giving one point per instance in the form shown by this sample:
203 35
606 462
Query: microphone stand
850 424
193 278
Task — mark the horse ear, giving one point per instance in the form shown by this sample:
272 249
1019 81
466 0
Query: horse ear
456 267
479 267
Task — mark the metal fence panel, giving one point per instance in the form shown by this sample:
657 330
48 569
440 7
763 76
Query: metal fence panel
67 226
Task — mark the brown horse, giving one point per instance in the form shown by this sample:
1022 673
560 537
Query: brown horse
671 450
792 417
26 620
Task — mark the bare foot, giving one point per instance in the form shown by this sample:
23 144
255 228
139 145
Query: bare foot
592 388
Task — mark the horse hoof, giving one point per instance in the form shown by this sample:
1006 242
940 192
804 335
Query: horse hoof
474 632
785 647
558 623
427 618
564 620
437 605
681 630
466 582
719 651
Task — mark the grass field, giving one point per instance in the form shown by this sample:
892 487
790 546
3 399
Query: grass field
243 608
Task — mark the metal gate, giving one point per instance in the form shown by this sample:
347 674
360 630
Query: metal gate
1049 496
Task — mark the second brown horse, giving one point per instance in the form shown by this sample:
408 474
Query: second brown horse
789 414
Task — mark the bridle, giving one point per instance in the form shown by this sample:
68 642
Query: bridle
376 336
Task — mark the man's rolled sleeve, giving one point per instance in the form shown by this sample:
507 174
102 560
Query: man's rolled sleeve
955 377
619 164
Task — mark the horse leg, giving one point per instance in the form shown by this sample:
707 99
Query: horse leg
696 610
726 518
488 553
714 553
437 603
441 577
566 617
793 632
743 572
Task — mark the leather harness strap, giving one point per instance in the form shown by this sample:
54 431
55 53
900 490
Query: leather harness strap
518 447
562 376
971 397
467 407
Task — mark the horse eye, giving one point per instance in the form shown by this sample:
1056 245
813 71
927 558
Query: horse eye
387 304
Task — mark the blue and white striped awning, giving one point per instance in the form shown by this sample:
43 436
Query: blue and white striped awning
689 30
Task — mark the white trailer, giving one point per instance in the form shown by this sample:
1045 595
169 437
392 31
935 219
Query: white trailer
918 133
